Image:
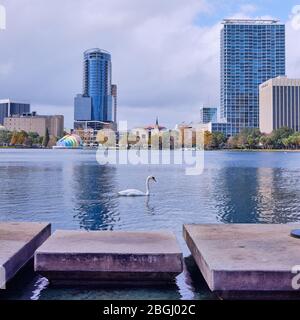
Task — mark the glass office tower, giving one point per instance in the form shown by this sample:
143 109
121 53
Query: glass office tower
9 108
252 51
97 83
208 114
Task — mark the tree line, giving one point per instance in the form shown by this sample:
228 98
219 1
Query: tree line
283 138
26 139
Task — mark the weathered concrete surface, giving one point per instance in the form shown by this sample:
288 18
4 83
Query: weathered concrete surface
245 257
69 257
18 242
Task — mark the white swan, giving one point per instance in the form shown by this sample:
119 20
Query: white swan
135 192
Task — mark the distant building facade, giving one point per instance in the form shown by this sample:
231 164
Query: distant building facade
222 127
89 130
36 123
156 128
208 115
146 135
95 103
252 51
9 108
94 125
279 104
114 94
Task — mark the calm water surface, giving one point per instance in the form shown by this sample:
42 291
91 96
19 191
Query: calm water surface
72 191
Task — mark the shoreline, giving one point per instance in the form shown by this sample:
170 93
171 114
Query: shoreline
209 150
257 150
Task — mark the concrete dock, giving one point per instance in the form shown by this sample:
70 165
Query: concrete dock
106 257
18 242
245 257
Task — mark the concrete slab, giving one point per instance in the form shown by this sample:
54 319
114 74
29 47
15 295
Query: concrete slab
69 257
18 242
245 257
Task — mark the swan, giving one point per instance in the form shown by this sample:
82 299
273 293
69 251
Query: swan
137 193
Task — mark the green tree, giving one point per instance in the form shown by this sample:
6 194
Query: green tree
286 142
266 141
218 140
248 138
279 135
293 141
5 137
34 136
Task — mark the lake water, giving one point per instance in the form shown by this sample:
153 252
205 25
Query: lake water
72 191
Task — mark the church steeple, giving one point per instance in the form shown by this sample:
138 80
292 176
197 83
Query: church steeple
156 123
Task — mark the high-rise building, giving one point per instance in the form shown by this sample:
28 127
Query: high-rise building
279 104
208 115
95 103
9 108
252 51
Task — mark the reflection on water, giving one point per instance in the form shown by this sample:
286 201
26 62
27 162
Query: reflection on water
149 207
72 191
257 195
95 206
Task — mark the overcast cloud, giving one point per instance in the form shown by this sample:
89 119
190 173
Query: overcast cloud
165 62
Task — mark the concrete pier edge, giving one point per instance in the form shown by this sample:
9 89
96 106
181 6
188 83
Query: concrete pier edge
18 242
245 257
103 257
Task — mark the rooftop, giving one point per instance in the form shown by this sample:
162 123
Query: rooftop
13 101
33 115
96 50
281 81
250 21
154 126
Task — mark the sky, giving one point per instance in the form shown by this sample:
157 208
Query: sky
165 53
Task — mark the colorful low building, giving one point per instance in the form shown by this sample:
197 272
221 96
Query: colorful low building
70 141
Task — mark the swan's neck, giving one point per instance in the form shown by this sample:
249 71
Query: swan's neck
147 187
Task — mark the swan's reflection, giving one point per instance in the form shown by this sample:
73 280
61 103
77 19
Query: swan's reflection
150 209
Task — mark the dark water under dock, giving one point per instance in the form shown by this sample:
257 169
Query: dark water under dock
72 191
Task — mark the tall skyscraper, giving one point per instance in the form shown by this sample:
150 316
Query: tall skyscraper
97 83
252 51
95 103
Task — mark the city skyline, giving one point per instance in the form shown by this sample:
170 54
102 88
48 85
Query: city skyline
153 73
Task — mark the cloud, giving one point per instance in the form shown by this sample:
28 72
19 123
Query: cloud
161 59
164 62
292 44
248 8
